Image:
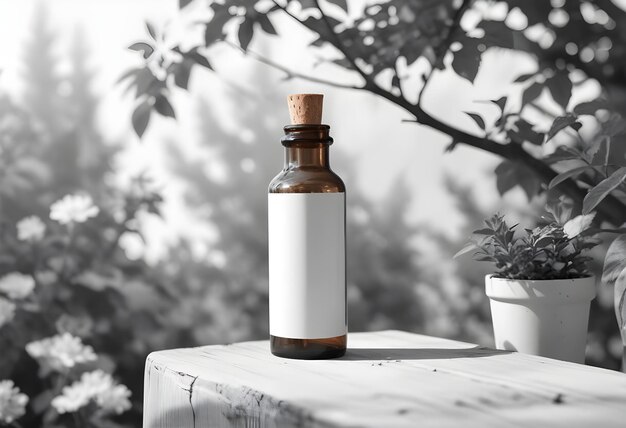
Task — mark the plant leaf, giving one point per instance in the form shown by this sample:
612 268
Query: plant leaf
578 224
525 132
590 107
199 59
561 88
141 118
563 153
568 174
181 72
466 61
531 93
563 122
620 303
246 31
145 48
163 106
477 118
510 174
215 28
615 261
602 190
523 77
470 246
151 30
266 24
500 102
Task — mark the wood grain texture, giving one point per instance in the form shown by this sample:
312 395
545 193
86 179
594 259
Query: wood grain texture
386 379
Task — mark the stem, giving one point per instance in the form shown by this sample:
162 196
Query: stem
71 228
290 73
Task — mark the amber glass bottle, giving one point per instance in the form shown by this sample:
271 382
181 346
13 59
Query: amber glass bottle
306 207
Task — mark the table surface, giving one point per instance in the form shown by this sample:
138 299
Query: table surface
386 379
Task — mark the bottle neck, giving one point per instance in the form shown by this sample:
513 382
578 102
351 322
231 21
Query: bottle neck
307 146
307 155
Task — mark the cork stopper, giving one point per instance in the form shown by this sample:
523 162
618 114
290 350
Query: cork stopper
305 109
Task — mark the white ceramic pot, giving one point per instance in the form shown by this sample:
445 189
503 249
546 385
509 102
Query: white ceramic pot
547 318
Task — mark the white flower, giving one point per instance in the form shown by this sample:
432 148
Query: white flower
7 311
73 209
17 285
134 247
97 386
30 229
114 400
60 352
12 402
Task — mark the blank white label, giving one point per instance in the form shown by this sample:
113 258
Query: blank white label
307 265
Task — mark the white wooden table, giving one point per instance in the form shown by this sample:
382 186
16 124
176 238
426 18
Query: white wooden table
386 379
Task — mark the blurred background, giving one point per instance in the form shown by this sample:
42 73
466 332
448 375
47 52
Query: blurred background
176 254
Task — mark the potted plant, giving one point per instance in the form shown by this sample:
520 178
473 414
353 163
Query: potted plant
541 290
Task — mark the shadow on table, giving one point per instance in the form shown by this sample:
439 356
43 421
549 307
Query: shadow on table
371 354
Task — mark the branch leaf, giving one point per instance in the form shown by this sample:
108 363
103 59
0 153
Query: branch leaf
511 174
266 24
163 106
567 175
501 103
615 261
603 189
141 118
215 28
531 93
590 107
477 118
246 31
523 77
561 88
614 274
145 48
563 122
181 72
199 59
563 153
466 60
151 30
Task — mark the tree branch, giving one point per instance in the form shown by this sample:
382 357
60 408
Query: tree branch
611 209
290 73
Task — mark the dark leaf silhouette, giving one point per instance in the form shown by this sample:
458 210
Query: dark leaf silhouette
246 31
478 119
562 122
145 48
575 172
561 88
466 61
163 106
141 118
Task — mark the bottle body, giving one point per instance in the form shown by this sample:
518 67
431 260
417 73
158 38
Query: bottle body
306 212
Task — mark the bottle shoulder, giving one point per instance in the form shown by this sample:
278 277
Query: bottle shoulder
307 180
